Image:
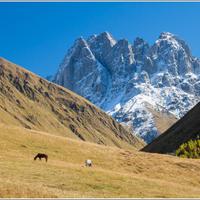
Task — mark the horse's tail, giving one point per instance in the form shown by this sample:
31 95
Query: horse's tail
46 158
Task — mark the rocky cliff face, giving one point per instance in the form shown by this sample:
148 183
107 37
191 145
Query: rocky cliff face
126 80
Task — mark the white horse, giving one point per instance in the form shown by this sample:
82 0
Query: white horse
88 163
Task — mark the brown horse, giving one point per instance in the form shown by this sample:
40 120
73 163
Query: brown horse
40 156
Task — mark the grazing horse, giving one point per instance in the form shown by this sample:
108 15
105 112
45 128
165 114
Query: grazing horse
40 156
88 163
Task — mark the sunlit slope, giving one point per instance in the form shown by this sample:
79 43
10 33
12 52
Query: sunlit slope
115 173
187 128
29 101
163 120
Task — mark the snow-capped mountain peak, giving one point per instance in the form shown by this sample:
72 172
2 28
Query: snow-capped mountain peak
133 82
166 35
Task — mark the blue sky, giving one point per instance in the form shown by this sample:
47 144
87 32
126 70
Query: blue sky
37 35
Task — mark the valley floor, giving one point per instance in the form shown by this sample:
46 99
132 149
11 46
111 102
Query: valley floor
116 172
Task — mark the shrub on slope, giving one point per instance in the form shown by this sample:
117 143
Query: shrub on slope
190 149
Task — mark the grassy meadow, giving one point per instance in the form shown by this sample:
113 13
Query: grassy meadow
116 172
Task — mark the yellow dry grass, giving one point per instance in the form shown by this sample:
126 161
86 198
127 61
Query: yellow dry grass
44 106
116 172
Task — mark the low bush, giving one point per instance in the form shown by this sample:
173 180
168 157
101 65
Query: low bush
190 149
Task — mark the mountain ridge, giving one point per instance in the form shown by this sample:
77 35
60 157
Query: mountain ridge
121 78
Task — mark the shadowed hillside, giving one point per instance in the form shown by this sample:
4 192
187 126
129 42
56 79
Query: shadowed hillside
185 129
29 101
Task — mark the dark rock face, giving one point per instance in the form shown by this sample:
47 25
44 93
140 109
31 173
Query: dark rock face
122 78
83 70
101 45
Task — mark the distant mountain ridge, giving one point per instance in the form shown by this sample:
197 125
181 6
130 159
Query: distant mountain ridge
127 79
